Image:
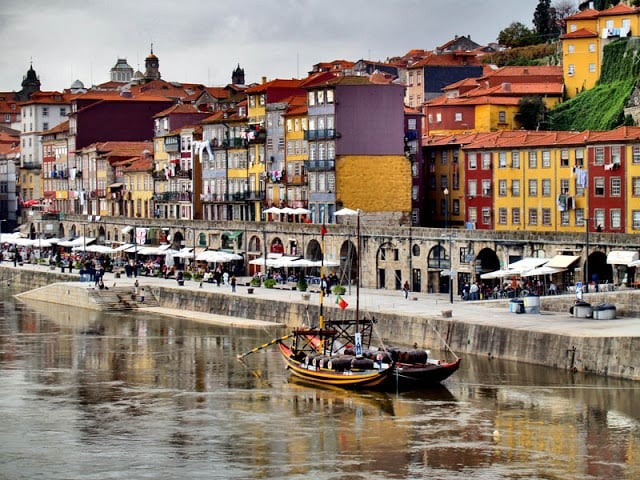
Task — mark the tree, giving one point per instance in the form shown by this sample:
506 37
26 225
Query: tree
531 112
544 20
563 9
517 35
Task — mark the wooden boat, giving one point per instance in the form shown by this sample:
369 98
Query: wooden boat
338 353
327 357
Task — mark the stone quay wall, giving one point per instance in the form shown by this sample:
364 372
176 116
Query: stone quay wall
608 356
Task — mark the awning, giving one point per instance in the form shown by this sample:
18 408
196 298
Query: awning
543 270
562 261
621 257
126 229
232 235
115 185
526 264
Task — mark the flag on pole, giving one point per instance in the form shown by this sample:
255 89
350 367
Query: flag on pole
323 231
342 303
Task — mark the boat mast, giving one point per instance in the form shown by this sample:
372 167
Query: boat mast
358 270
323 231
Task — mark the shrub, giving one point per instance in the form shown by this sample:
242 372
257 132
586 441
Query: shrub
255 282
187 275
338 290
269 283
302 284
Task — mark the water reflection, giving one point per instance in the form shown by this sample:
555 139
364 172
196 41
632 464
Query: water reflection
140 396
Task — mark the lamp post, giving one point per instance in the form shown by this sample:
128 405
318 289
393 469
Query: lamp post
586 263
446 226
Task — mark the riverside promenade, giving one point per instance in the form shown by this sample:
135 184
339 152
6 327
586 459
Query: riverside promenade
552 337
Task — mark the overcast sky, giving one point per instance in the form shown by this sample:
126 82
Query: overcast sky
201 41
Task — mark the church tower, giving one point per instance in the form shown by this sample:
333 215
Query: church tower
237 77
30 84
152 67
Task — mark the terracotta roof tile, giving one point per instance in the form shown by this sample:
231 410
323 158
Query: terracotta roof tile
580 33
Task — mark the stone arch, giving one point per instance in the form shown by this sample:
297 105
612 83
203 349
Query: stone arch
438 260
486 261
60 230
101 234
255 244
349 262
382 273
276 246
177 240
598 266
313 251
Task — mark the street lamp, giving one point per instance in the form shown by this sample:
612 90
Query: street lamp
446 207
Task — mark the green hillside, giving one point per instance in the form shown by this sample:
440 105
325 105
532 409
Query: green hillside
601 108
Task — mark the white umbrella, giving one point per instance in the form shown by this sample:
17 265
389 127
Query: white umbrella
184 253
500 274
287 210
216 256
543 270
301 211
346 211
303 262
272 210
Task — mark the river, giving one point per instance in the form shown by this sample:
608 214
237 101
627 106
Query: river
89 395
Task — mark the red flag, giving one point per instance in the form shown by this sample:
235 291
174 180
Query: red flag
342 303
323 231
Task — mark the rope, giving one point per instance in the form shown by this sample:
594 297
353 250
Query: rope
264 345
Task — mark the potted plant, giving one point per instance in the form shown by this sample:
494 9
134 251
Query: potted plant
302 283
187 275
255 281
338 290
269 283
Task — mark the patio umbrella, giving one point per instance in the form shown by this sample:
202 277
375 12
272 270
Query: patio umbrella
272 210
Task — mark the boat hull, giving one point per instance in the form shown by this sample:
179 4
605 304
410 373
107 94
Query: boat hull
394 377
352 379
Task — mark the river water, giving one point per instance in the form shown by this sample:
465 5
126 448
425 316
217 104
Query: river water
88 395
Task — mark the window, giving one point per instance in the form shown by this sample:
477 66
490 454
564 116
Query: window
414 192
486 188
443 182
444 157
419 78
599 217
473 214
473 188
546 187
546 216
571 70
438 117
502 216
579 216
564 158
599 157
564 185
289 125
502 188
486 216
635 219
616 218
564 218
45 126
570 48
458 116
515 216
579 157
311 99
63 111
502 160
616 186
502 116
486 161
515 188
320 97
592 68
329 96
473 161
635 186
45 111
598 186
533 216
615 155
592 47
533 188
546 159
533 159
515 159
410 79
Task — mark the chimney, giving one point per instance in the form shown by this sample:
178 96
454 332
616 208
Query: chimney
264 80
506 87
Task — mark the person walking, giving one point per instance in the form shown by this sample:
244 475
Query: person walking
405 289
233 284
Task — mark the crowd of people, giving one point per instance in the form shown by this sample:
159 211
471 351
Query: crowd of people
509 289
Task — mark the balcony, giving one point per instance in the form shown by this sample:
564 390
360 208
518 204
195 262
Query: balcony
297 180
172 197
235 142
316 165
322 134
31 166
254 138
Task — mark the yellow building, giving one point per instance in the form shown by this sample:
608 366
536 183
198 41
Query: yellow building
387 187
295 155
588 32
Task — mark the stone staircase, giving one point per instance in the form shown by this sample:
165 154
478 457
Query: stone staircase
121 298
